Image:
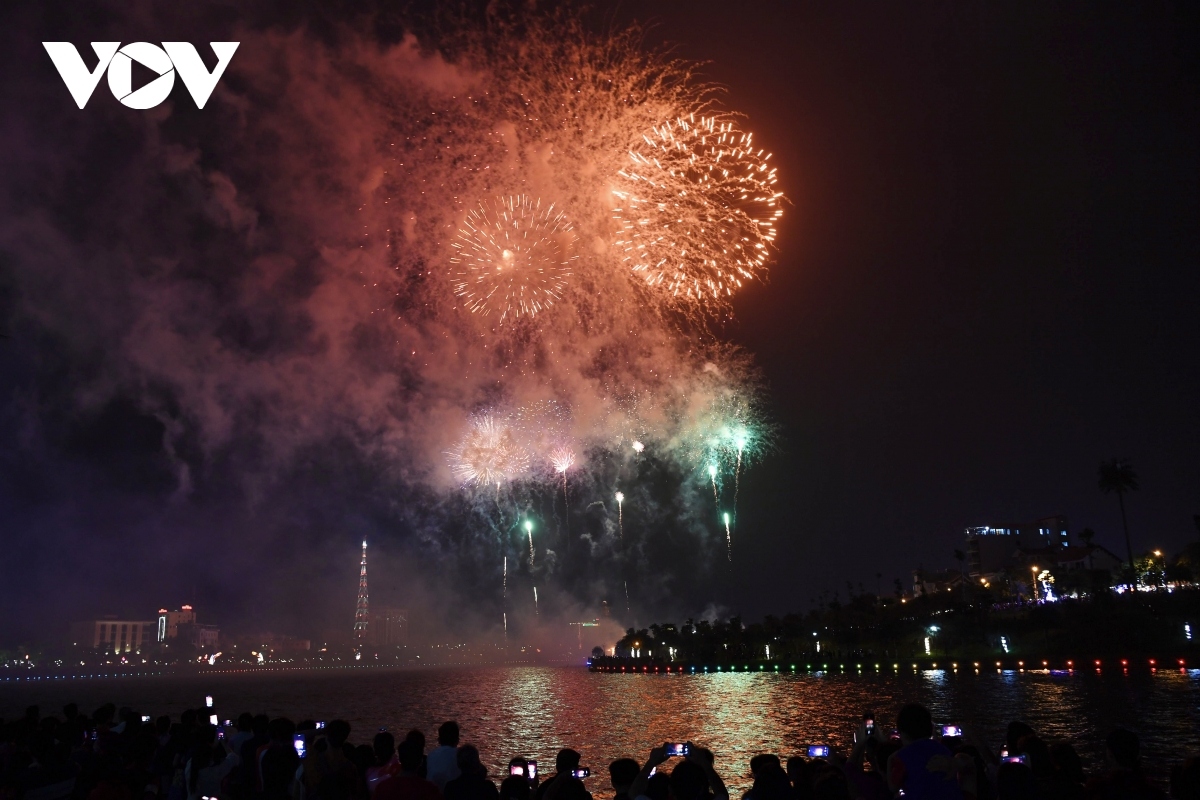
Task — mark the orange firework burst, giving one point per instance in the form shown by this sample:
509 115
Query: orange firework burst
512 257
697 211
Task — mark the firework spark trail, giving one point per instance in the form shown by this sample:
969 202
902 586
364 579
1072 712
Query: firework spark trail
712 475
728 540
620 514
504 598
566 515
536 612
737 480
627 611
529 533
562 459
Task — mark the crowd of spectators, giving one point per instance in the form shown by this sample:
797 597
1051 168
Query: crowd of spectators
123 755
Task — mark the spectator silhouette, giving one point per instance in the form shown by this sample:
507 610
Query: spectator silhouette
923 767
622 773
442 764
383 749
1122 778
407 784
472 782
562 785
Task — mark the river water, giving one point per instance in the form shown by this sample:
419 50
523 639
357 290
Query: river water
534 711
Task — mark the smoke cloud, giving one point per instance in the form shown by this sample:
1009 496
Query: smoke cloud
237 347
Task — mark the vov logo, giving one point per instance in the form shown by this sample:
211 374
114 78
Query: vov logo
164 61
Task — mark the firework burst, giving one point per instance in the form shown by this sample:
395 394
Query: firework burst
696 205
562 459
488 454
512 257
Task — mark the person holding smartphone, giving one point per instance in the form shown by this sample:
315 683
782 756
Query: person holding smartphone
520 781
923 767
869 747
563 785
691 779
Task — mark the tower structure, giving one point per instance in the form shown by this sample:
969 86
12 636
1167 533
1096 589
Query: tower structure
362 612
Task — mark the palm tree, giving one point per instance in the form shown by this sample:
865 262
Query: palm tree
1117 477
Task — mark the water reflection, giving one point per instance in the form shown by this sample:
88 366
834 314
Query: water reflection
534 711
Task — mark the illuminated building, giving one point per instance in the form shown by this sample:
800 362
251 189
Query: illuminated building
113 635
991 549
362 612
169 622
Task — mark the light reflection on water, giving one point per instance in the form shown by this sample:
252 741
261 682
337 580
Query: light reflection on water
534 711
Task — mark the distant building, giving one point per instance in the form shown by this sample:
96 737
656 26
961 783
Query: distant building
992 549
389 627
930 582
169 622
201 637
113 635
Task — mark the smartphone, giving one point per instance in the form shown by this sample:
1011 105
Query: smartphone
951 730
145 717
208 701
228 723
532 767
1017 759
818 751
220 735
894 735
678 749
582 772
653 772
93 734
516 769
869 722
212 720
1004 752
321 725
298 743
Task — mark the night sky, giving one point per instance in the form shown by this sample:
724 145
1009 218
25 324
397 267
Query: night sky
987 283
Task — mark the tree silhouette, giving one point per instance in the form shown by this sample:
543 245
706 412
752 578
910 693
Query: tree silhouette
1117 477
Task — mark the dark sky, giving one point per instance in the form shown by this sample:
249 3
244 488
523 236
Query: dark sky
988 280
987 284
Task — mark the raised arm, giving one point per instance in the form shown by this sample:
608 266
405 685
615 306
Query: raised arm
657 756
